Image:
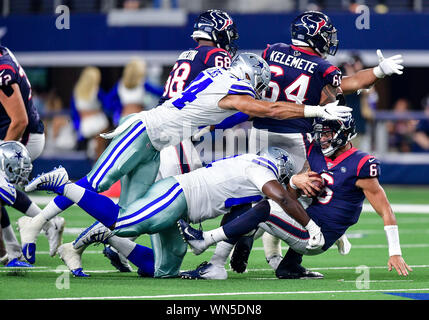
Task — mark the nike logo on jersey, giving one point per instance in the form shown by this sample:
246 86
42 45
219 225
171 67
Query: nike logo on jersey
371 160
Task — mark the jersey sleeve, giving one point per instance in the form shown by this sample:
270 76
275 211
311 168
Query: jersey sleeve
368 167
331 75
260 171
8 75
217 57
7 192
241 87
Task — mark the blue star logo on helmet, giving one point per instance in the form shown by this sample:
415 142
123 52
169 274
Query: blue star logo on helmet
18 155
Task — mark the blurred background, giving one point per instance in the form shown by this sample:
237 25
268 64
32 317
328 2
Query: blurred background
102 40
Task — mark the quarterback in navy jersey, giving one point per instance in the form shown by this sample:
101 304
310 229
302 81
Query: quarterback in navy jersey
19 119
300 73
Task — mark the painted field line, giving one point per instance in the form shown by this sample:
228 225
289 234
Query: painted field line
228 294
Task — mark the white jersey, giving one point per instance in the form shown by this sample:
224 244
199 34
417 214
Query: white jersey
213 190
182 116
7 190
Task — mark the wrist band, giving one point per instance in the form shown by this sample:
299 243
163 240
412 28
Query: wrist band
392 235
291 184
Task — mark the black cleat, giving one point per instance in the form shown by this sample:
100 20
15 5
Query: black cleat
296 271
241 253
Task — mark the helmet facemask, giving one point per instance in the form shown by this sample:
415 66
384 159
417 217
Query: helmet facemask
330 139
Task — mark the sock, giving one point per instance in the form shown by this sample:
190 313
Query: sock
13 247
122 245
272 245
292 257
5 222
22 201
247 221
214 236
143 258
100 207
221 254
62 202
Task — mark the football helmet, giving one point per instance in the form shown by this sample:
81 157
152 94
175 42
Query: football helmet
315 29
15 161
216 26
282 160
342 132
251 67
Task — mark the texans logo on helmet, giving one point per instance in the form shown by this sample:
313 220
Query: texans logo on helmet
312 26
221 19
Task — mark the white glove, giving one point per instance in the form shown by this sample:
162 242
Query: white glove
316 240
330 111
388 66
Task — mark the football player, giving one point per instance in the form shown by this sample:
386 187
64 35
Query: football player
20 121
201 194
214 95
301 74
350 176
15 167
215 33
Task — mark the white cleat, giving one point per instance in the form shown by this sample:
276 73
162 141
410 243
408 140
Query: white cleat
27 230
344 245
96 233
206 271
52 181
55 234
70 256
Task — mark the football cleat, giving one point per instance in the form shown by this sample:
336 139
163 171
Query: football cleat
295 271
72 258
55 234
78 273
206 271
28 233
343 244
274 261
240 256
116 259
15 263
96 233
192 236
54 181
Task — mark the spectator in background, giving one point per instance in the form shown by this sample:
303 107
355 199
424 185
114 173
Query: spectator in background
421 134
128 94
401 131
88 115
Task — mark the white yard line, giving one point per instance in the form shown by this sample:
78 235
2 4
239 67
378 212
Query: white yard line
226 294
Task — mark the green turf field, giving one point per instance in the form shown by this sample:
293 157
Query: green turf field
361 275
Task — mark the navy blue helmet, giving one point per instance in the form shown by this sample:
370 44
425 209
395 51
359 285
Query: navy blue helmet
216 26
315 29
341 133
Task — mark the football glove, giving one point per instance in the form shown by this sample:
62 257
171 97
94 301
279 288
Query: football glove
316 240
388 66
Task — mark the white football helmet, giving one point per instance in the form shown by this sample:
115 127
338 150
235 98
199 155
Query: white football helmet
15 161
282 160
251 67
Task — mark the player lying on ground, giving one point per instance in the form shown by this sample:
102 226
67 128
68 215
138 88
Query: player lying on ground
350 176
195 196
15 167
213 96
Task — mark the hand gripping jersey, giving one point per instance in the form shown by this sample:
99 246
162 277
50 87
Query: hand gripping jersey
189 64
297 76
11 72
181 117
7 191
213 190
340 205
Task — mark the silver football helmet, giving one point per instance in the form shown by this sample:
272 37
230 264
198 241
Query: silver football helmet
15 161
251 67
282 160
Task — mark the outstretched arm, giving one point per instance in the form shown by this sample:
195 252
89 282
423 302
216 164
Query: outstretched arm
366 78
282 110
378 200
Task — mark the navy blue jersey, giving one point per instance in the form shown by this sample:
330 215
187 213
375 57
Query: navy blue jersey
11 72
297 76
189 64
340 205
